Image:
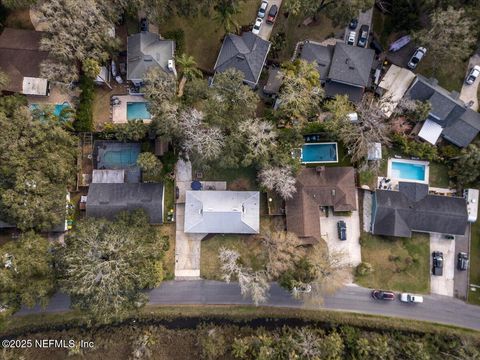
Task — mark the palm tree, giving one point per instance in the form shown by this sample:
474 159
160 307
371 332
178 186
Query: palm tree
189 70
225 12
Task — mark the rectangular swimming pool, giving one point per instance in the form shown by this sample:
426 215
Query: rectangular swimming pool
319 153
409 171
137 110
117 155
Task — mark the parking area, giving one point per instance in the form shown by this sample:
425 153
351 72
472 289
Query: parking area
364 18
351 246
462 244
443 285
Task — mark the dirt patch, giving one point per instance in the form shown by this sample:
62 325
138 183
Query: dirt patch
241 184
19 19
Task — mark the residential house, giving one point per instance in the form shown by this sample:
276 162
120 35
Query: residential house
108 199
246 53
222 212
344 69
321 187
449 117
412 208
20 59
146 50
393 86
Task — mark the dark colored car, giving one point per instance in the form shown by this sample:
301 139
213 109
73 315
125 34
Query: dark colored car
342 230
272 14
437 262
462 261
143 24
383 295
353 24
375 45
363 36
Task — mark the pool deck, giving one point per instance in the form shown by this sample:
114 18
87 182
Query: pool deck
408 161
58 95
119 112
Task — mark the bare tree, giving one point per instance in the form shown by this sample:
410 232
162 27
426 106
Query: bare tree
278 179
259 137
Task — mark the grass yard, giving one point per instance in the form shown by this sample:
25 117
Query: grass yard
237 179
474 296
398 264
295 32
205 44
439 175
450 77
169 201
169 258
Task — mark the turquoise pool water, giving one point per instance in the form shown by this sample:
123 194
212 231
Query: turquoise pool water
137 110
57 109
120 158
320 153
408 171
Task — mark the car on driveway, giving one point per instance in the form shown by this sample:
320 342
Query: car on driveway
383 295
353 24
143 24
263 9
257 26
473 74
416 57
272 14
351 38
437 261
462 261
410 298
363 37
342 230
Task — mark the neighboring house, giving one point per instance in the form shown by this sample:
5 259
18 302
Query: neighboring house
246 53
449 118
145 50
222 212
20 59
332 187
107 200
344 69
412 208
393 87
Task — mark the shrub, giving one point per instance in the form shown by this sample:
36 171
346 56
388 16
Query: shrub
415 148
84 118
364 268
178 35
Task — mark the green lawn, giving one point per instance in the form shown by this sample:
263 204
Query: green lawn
169 258
237 179
169 198
203 35
439 175
474 296
450 77
399 264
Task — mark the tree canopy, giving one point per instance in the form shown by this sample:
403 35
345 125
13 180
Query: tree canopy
104 264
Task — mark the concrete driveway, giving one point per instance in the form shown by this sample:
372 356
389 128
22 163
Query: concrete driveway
364 18
443 285
351 246
469 92
462 244
266 29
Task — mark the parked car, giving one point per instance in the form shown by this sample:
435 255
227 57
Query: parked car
257 26
375 45
272 14
263 9
383 295
353 24
473 74
342 230
351 38
143 24
462 261
416 57
410 298
437 262
363 37
302 288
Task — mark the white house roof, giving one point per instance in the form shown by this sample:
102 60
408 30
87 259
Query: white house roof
222 212
108 176
34 86
396 82
430 131
472 204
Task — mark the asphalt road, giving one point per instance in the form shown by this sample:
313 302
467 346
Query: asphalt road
436 308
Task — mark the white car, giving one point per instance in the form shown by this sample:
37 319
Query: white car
263 9
351 37
473 75
416 57
410 298
257 26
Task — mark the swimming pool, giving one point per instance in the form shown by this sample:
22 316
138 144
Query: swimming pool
319 153
57 108
137 110
409 170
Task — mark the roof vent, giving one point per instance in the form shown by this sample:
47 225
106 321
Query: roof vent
333 192
240 57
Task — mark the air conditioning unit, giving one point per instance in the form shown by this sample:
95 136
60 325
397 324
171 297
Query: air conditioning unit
171 65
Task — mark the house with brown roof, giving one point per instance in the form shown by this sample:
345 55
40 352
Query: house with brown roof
332 187
20 59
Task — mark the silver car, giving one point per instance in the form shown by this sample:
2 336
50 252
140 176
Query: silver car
473 74
416 57
257 26
263 9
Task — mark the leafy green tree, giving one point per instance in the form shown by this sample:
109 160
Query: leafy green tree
225 17
189 70
149 163
159 87
104 265
26 273
133 130
3 80
37 165
91 68
450 36
467 168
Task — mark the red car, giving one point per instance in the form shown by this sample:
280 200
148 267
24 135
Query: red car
272 14
383 295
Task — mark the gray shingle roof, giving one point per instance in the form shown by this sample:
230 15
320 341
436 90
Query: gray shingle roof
246 53
351 65
398 213
322 55
146 49
222 212
333 88
460 124
107 200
